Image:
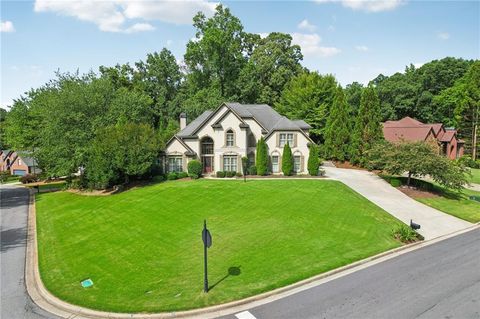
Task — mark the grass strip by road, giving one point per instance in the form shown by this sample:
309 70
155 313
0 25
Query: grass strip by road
142 248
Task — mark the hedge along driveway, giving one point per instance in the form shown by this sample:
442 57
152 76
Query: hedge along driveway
143 249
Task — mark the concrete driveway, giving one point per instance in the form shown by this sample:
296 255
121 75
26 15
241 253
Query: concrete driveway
434 223
15 301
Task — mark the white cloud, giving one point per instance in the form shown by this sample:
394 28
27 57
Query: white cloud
114 15
362 48
139 27
367 5
443 35
305 25
310 44
263 35
418 65
7 26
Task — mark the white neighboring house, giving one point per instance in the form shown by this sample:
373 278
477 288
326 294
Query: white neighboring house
220 138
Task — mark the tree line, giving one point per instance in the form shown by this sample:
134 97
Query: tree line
112 124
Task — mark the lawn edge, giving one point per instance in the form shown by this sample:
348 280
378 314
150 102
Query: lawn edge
52 304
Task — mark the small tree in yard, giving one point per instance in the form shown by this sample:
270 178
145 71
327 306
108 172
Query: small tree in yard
313 160
287 160
262 157
418 159
194 169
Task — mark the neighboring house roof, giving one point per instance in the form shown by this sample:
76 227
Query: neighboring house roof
410 129
448 136
5 154
414 134
269 119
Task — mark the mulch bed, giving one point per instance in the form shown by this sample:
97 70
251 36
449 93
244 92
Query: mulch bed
416 193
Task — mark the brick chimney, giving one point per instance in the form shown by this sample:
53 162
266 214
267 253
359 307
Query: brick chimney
183 120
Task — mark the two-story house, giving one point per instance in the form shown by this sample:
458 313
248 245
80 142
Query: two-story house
220 138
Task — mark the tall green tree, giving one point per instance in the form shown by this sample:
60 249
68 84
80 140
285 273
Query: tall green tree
368 129
261 159
338 128
159 77
309 96
287 160
121 152
216 56
353 95
313 160
274 61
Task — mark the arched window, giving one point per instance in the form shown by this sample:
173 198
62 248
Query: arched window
229 138
206 154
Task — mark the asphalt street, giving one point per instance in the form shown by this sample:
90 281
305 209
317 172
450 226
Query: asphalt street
437 281
15 302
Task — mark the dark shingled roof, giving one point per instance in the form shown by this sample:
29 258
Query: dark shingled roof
194 125
264 114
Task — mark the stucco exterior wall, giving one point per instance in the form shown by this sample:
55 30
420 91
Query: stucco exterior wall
300 147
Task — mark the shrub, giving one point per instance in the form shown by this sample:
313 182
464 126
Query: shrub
158 178
405 234
252 170
194 176
230 174
182 175
395 182
262 157
195 168
172 176
4 176
29 178
313 160
220 174
287 160
238 174
469 162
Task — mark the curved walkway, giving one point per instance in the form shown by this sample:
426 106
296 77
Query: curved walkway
434 223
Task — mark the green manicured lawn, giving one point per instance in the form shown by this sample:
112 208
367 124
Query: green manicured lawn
143 250
475 178
456 204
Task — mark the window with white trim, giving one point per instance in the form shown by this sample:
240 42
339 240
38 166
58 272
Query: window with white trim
230 138
297 163
275 168
285 138
229 163
175 164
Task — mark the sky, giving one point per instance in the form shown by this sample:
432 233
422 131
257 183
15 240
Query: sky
353 39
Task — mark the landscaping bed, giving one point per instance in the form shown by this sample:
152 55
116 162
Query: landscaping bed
458 204
143 251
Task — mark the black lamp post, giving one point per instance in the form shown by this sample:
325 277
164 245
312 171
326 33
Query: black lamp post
244 166
207 243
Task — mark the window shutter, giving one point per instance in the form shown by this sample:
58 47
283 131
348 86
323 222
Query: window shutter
278 139
294 140
239 163
221 163
302 164
279 163
184 163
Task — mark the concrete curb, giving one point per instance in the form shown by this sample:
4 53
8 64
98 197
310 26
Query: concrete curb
47 301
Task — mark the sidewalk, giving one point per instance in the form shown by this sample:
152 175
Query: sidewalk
433 223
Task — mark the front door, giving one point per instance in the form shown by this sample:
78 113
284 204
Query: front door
207 162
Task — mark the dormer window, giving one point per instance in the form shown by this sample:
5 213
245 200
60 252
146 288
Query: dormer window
230 138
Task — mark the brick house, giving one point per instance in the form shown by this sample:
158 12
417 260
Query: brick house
409 129
18 164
